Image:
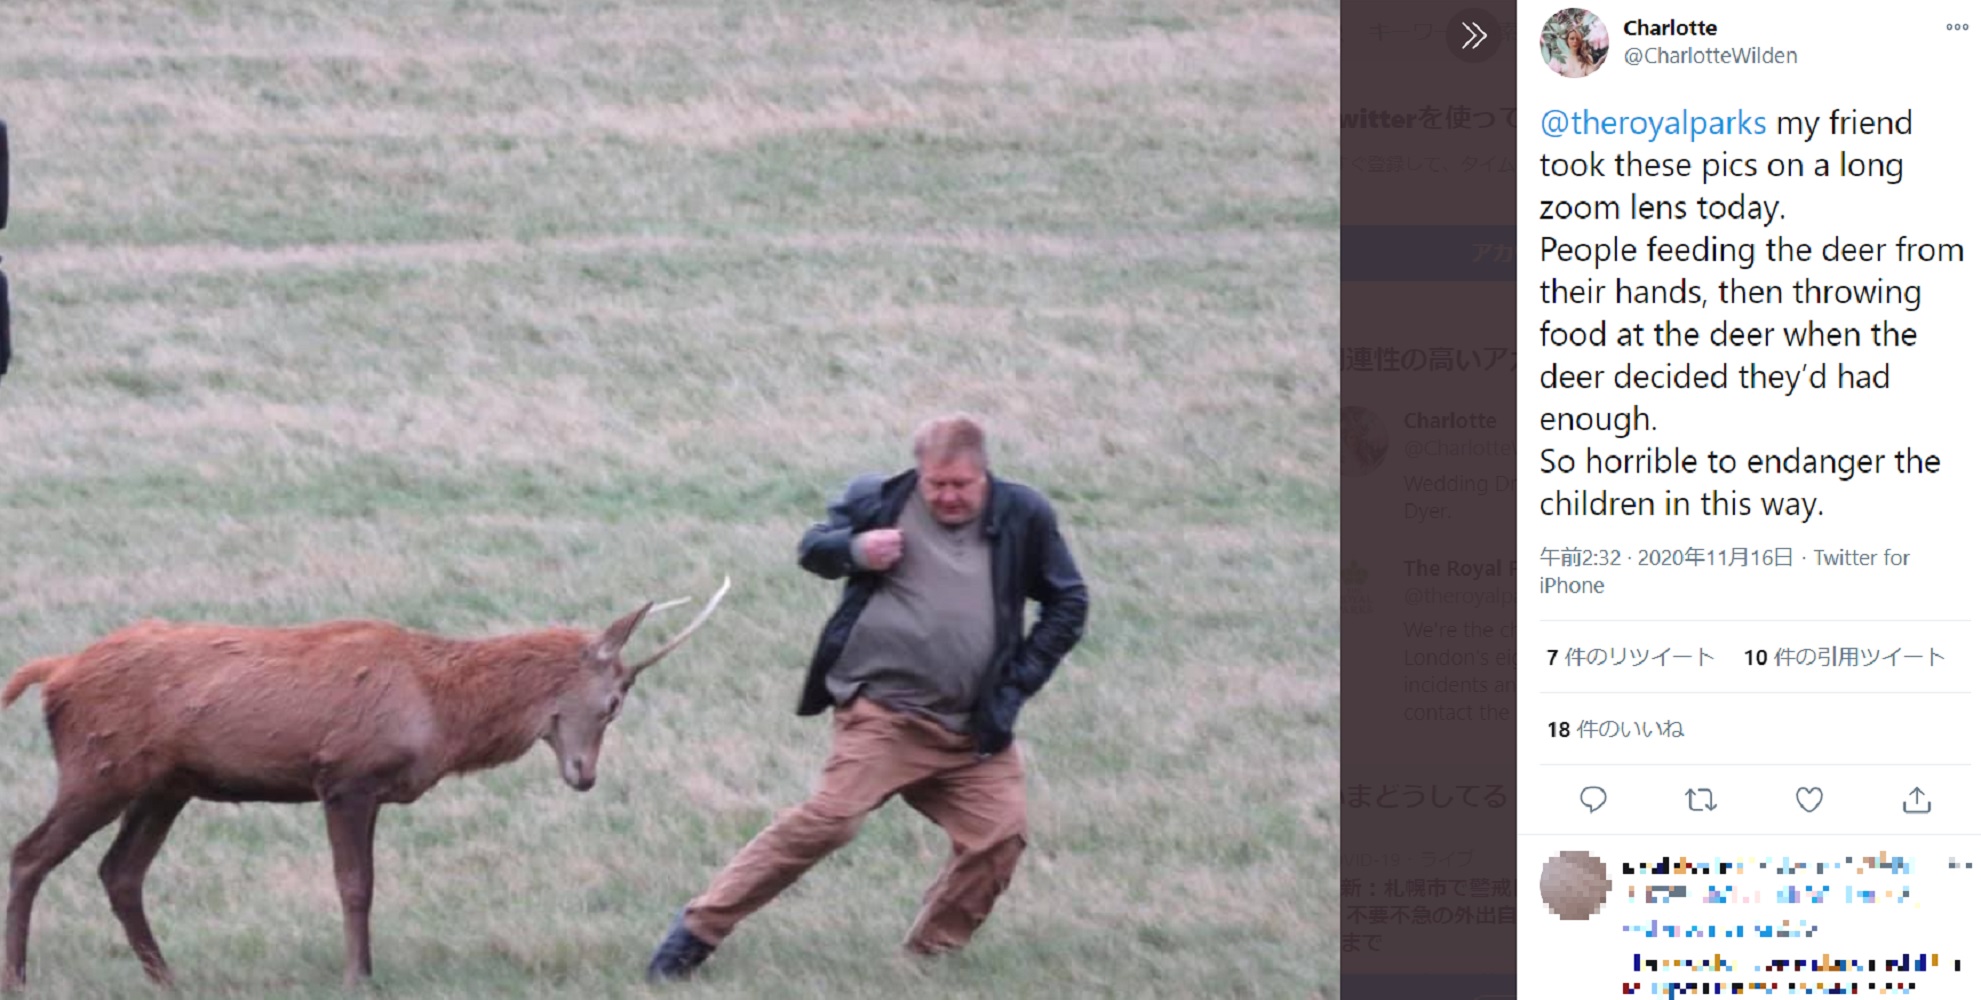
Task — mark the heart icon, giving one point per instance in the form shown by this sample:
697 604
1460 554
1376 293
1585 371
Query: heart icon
1809 798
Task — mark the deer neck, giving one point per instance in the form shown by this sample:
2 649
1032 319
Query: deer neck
493 698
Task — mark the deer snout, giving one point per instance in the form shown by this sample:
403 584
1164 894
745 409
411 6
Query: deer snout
580 774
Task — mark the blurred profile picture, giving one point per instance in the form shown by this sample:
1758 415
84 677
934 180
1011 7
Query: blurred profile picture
1574 884
1574 42
1364 441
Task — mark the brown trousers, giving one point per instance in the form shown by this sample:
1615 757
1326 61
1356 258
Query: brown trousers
877 754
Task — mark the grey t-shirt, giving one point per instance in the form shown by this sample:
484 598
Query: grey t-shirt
928 634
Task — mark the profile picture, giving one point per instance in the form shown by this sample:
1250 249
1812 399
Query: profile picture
1574 42
1364 441
1574 884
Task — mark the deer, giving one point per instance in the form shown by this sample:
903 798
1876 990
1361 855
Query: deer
351 714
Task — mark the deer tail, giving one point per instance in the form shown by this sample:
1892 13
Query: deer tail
35 672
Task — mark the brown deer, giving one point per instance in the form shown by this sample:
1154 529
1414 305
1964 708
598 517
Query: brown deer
353 714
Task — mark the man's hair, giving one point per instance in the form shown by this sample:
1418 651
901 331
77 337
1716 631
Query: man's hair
946 439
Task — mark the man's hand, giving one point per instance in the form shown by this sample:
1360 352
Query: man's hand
878 549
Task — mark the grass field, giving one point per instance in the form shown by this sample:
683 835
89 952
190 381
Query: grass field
478 315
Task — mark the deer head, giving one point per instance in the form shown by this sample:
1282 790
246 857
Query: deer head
585 708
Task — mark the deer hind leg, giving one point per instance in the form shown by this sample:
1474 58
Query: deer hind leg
146 824
353 821
72 820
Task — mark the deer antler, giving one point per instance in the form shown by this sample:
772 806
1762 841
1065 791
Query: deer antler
682 636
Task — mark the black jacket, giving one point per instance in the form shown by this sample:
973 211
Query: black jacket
1029 560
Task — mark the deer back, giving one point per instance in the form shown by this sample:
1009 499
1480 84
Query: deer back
247 713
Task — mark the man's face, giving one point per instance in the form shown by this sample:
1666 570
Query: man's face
954 490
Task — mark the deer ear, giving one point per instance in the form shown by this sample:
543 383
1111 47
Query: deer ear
606 648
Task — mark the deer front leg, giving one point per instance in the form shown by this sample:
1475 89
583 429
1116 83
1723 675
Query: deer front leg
353 820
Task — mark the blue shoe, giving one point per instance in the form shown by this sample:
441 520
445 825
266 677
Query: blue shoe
680 953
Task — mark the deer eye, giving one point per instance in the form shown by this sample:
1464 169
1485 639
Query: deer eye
612 707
